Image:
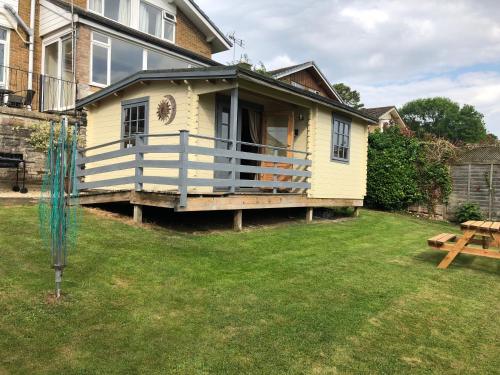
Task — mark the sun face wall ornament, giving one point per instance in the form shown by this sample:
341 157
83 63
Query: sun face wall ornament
167 109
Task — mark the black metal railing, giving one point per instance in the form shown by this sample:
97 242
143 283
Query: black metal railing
45 94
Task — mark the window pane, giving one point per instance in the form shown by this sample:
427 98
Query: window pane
3 34
168 32
99 64
133 114
140 126
160 61
126 59
118 10
150 19
141 115
127 114
100 38
67 63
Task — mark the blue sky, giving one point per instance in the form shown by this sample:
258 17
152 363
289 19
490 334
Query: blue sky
392 51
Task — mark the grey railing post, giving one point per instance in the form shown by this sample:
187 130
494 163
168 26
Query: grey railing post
139 159
183 167
275 178
233 135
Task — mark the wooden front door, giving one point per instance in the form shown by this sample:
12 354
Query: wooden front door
278 132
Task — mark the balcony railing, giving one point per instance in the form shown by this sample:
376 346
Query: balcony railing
46 94
194 161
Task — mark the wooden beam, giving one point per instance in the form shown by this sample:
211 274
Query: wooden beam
238 220
104 197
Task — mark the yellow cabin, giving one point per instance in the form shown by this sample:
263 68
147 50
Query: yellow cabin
221 138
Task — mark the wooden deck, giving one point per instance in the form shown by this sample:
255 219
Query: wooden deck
214 202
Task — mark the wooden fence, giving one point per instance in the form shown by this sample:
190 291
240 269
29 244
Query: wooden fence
290 173
476 183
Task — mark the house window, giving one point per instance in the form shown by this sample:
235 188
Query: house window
101 58
117 10
341 139
134 119
158 60
155 21
114 59
3 55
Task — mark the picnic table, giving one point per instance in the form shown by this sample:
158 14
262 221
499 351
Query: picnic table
477 239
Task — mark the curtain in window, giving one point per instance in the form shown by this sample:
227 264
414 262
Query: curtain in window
95 5
124 12
254 122
143 18
150 19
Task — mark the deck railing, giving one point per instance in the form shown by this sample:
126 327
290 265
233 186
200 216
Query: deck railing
272 172
45 94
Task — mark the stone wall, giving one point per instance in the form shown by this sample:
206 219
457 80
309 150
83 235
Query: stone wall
15 131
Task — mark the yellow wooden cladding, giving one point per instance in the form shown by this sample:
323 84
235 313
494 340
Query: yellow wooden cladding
196 113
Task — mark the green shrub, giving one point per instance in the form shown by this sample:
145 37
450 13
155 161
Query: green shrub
392 174
403 170
468 211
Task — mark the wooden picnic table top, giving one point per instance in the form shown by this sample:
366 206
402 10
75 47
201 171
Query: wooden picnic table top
483 226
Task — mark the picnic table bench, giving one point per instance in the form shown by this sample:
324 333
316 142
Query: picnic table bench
483 233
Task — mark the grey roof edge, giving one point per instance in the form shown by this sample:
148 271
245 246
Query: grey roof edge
133 32
227 72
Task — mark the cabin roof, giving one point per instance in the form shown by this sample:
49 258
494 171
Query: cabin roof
378 111
309 65
220 72
81 12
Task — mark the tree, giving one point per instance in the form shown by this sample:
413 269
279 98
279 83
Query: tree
349 96
444 118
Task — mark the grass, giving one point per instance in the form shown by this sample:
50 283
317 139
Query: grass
355 297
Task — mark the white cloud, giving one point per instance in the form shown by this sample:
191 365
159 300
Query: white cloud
367 19
280 62
416 48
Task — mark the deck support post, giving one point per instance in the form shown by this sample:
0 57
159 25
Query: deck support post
233 134
138 214
309 214
356 212
183 168
238 220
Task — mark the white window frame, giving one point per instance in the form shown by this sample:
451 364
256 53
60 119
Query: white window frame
6 55
101 12
108 47
163 20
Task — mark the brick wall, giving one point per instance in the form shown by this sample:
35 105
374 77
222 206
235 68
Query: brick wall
188 36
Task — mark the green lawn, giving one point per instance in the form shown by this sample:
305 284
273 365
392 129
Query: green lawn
361 296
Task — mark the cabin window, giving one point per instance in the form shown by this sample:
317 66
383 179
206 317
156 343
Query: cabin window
156 21
341 134
134 119
117 10
3 55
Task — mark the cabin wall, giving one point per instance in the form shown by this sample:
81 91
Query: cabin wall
333 179
195 112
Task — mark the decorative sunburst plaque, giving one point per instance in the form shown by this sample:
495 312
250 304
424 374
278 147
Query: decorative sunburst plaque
167 109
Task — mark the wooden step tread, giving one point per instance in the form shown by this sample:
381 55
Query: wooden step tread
441 239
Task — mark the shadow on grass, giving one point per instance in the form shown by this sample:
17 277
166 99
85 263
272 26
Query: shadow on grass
205 222
471 262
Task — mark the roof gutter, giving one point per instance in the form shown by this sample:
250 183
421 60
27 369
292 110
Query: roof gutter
18 18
